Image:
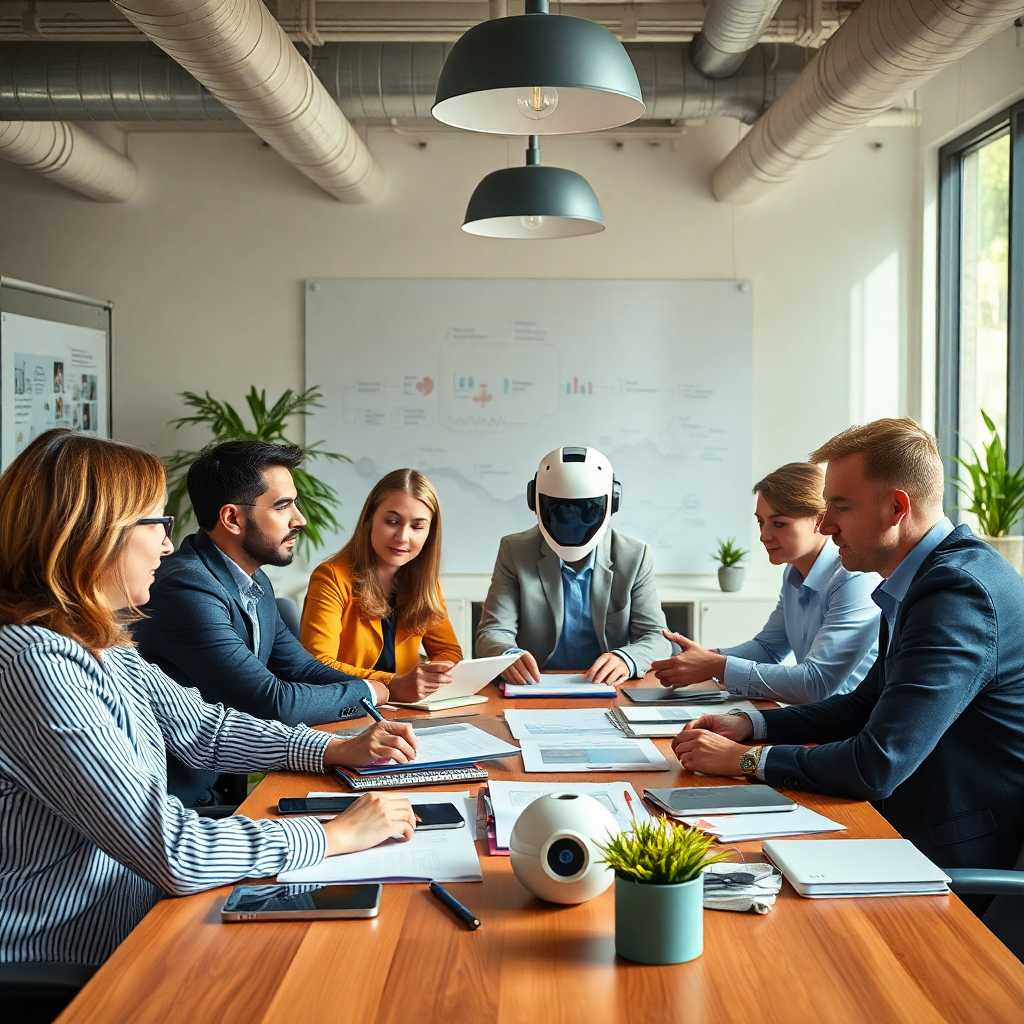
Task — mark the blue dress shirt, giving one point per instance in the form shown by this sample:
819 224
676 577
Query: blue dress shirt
888 596
250 592
829 623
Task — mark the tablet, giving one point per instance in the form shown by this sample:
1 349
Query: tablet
468 679
661 695
719 800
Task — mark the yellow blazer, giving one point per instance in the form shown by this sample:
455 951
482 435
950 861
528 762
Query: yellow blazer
336 632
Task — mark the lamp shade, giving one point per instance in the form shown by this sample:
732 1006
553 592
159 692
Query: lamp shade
533 202
537 74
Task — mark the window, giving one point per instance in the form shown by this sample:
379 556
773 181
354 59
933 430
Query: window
981 290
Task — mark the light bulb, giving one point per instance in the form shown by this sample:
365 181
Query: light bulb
537 102
532 222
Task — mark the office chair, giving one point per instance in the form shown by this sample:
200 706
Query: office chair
1004 916
37 992
289 612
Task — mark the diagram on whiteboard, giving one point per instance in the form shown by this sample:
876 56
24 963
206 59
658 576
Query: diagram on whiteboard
472 382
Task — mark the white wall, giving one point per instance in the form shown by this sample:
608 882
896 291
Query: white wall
205 267
981 85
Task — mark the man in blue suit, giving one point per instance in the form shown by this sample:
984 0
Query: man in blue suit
212 620
934 735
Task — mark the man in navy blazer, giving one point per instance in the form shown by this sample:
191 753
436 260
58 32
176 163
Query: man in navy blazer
212 620
934 734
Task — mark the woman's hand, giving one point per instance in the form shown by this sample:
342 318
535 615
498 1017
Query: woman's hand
383 741
695 665
422 681
372 819
524 671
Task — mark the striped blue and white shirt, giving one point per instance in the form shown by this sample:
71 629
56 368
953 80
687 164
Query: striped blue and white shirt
89 837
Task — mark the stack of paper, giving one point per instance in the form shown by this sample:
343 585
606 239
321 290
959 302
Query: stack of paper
445 855
735 828
640 722
572 723
509 799
664 695
445 746
560 686
580 754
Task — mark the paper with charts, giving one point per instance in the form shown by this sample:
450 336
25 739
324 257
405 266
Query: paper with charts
604 755
509 799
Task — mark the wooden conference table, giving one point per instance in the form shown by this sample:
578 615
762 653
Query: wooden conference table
920 959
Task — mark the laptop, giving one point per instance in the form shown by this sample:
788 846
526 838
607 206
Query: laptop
468 679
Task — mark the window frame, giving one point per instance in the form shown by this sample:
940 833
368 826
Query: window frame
950 209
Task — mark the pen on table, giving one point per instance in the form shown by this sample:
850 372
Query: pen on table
461 911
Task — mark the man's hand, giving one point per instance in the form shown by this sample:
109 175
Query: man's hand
420 682
695 665
737 728
372 819
383 741
711 753
609 668
523 671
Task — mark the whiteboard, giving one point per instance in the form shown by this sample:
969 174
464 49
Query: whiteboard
473 381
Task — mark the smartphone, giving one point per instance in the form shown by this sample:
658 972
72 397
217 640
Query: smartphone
301 901
428 816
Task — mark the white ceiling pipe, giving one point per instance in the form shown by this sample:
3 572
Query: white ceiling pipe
731 29
240 53
882 52
69 156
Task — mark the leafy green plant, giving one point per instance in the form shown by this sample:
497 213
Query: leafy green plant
659 852
317 499
995 492
729 553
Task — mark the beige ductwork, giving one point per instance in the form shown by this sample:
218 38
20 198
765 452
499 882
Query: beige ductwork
240 53
883 51
70 157
731 29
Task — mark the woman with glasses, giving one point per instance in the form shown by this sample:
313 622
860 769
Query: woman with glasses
825 616
89 838
371 606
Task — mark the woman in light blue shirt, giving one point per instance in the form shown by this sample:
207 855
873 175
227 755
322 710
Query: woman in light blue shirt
825 616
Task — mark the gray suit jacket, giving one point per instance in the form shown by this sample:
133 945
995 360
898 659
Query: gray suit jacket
524 606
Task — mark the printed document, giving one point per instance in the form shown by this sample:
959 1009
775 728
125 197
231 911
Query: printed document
608 755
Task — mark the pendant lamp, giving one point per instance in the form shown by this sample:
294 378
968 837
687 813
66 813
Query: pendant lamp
537 74
533 202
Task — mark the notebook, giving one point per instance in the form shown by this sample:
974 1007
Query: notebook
719 800
856 867
552 685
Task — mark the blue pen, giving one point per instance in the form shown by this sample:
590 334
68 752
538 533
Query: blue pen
371 710
461 911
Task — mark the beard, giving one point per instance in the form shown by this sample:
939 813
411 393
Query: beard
261 549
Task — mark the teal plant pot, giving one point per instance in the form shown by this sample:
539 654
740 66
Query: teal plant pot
659 924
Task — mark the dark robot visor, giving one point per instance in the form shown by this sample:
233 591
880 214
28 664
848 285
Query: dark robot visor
572 521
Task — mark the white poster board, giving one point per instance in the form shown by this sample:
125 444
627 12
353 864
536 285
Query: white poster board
472 381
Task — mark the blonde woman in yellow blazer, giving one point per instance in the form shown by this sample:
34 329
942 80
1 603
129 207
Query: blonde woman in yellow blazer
370 607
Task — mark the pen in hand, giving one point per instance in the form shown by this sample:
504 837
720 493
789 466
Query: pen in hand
462 912
377 717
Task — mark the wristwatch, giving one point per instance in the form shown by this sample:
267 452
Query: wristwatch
749 762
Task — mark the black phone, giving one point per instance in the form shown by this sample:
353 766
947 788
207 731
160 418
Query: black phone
428 816
299 901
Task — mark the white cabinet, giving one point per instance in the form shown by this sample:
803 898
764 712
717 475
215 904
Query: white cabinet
731 619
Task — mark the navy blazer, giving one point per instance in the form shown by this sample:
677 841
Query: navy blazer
934 734
197 631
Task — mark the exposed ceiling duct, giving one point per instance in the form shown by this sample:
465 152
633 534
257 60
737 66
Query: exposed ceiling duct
883 51
240 53
731 28
69 156
378 82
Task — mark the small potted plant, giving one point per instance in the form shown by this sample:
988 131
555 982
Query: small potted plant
996 495
659 890
730 572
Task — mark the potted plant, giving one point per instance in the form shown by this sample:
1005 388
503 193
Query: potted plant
317 499
996 495
730 572
659 890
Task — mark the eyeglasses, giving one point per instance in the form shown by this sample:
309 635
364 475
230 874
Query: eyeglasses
166 521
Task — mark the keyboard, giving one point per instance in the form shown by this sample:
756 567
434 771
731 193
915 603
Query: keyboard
413 777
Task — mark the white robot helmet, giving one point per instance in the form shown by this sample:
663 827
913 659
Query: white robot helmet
574 494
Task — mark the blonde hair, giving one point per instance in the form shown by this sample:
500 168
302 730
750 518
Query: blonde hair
899 452
67 503
794 490
418 590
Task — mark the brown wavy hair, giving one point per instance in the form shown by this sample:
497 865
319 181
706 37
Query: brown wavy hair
419 603
794 489
67 503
